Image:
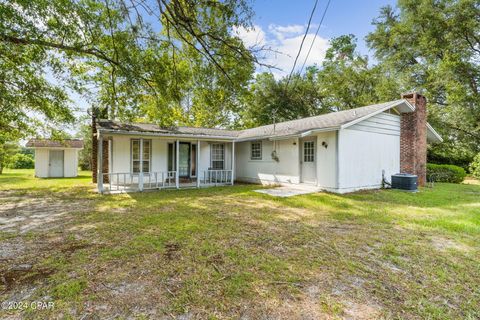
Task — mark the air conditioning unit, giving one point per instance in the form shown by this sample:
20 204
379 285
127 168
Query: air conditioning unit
405 181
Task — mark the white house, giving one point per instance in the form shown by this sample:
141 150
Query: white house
338 152
54 159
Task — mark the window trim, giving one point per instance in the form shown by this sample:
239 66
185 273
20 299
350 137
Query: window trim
251 150
149 153
211 156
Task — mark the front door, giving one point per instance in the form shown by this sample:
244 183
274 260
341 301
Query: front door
55 163
184 160
308 162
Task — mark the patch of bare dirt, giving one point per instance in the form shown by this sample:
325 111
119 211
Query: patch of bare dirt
29 213
444 244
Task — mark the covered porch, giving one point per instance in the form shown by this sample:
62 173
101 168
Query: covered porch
133 163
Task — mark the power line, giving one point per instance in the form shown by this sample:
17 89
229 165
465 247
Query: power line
301 44
315 37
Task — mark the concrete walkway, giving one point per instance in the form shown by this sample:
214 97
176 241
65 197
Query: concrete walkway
289 191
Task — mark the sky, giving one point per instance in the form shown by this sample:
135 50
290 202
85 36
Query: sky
281 24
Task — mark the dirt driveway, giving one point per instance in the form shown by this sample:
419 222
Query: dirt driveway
23 215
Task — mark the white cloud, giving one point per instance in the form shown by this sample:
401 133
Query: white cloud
283 43
254 37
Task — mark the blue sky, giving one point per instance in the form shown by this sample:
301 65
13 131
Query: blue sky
280 24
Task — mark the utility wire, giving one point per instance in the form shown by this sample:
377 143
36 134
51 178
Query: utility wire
315 37
301 44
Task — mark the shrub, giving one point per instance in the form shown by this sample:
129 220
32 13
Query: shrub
21 161
475 166
445 173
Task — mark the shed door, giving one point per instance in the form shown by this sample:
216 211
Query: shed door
55 163
308 162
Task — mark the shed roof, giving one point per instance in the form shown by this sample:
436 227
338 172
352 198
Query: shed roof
48 143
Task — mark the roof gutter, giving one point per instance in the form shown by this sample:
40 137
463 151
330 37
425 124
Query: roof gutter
435 133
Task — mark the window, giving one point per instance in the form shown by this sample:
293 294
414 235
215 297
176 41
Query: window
147 151
308 151
256 151
218 156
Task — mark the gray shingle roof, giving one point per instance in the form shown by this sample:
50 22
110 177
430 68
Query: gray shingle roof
153 128
294 127
325 121
47 143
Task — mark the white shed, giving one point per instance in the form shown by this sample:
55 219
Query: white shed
56 159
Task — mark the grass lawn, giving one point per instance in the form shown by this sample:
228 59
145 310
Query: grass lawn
229 252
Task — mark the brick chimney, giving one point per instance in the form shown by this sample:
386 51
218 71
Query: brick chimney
95 151
413 138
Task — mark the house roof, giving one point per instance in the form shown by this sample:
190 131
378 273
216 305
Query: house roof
299 127
324 122
116 126
47 143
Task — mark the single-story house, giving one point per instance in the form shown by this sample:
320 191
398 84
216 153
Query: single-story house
55 159
339 152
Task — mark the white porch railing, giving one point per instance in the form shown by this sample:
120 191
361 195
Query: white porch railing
217 177
124 181
130 181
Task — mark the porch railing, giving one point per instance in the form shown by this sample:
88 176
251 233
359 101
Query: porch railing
122 181
217 177
130 181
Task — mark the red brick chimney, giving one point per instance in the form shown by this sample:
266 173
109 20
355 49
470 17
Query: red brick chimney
413 138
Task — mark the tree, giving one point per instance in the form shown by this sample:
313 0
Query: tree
21 161
273 100
85 155
435 46
127 56
7 151
345 80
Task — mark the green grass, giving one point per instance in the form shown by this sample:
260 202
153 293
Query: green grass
229 251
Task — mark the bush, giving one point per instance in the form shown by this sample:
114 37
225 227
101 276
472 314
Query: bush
475 166
445 173
21 161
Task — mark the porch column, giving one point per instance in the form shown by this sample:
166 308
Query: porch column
100 163
140 174
177 173
198 163
233 161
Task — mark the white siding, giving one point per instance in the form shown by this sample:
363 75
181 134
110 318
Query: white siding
70 162
362 157
326 159
41 163
267 170
384 123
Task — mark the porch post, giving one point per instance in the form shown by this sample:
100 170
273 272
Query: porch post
100 163
140 175
198 163
177 173
233 162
